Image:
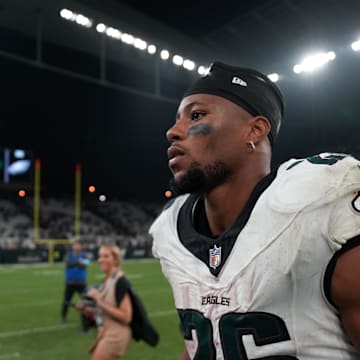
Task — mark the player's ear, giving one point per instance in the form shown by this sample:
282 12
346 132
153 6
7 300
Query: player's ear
260 128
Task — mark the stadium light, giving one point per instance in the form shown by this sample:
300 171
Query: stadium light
140 44
114 33
101 28
331 55
67 14
22 193
102 198
83 20
91 189
313 62
274 77
309 63
201 70
189 65
127 39
178 60
151 49
356 45
78 18
164 54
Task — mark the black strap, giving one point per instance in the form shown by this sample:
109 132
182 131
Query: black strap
122 286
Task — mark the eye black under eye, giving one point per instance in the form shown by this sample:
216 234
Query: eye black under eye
196 115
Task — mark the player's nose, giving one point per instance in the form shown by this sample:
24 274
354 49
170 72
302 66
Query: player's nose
176 132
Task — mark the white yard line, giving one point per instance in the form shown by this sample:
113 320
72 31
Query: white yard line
7 334
30 331
41 289
15 355
26 305
28 266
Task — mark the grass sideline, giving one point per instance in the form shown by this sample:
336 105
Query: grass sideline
30 301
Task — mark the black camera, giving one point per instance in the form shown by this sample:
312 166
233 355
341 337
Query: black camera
87 301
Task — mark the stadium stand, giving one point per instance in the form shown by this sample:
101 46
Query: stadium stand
120 222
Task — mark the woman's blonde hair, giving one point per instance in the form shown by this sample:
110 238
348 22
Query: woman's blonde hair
115 251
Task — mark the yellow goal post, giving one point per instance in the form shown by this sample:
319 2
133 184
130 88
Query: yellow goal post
36 213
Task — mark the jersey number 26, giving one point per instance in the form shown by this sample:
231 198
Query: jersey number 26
264 327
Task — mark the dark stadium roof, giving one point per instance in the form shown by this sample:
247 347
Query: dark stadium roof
61 101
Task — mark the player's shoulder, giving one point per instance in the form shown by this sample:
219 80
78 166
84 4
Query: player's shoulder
325 169
169 212
175 203
315 180
323 162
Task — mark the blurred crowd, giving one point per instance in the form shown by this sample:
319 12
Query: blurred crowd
112 221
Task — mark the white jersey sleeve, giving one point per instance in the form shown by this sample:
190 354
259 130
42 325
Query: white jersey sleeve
325 179
344 221
166 222
315 181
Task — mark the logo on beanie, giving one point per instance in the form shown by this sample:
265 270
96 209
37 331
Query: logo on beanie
236 80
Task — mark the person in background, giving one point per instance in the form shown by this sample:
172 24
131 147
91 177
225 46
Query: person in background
112 307
263 264
75 280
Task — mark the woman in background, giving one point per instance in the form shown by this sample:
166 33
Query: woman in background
113 309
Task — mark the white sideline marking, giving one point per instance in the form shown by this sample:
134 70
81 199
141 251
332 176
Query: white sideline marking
35 330
48 272
38 330
11 267
10 356
25 291
26 305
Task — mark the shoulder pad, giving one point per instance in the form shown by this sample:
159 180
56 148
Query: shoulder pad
314 181
169 203
169 212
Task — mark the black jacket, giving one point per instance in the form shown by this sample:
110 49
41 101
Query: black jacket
141 325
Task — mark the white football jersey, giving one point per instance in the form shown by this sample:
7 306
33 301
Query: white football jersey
268 300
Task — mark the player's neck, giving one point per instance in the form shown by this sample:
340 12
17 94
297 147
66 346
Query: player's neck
224 204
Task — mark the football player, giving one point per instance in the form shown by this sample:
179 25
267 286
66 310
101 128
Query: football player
263 265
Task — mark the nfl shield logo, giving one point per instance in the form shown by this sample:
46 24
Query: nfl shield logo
215 257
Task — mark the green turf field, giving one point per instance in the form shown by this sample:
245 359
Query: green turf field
30 301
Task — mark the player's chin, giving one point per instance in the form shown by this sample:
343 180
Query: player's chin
178 175
179 164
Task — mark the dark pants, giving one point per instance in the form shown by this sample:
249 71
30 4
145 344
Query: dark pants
70 290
